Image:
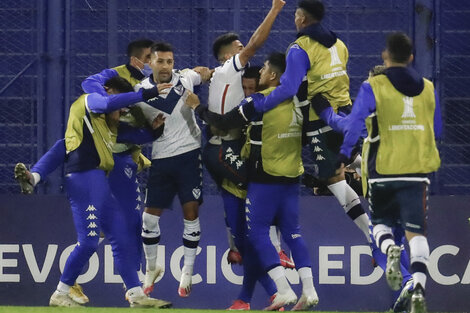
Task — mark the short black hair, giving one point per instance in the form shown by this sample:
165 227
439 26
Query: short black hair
377 70
134 48
119 84
399 46
222 41
252 72
314 8
161 47
277 61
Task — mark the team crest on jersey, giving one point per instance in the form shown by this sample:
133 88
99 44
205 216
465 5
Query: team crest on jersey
196 193
128 171
179 89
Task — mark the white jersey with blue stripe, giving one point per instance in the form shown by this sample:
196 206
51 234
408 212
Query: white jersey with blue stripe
181 133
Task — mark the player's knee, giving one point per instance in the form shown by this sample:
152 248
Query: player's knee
257 235
291 236
88 244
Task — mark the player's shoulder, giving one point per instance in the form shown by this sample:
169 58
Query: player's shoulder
182 74
231 66
145 83
187 77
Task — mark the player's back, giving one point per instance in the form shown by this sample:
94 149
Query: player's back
327 74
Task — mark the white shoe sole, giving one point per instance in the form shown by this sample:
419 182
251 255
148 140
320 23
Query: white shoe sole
393 271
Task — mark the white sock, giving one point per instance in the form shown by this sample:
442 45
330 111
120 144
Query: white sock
379 231
191 237
187 269
36 178
385 244
63 288
419 250
419 253
351 204
305 274
278 275
362 222
356 164
419 278
274 236
189 256
151 237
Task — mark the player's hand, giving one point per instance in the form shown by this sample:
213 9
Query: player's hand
278 5
205 72
341 162
218 132
162 87
158 121
149 93
319 103
192 100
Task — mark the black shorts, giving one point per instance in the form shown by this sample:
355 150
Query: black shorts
399 201
324 144
224 162
179 174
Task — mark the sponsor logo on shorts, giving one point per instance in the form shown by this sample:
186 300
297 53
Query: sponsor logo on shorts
412 225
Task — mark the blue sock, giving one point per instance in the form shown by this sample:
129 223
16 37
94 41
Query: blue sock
53 158
235 218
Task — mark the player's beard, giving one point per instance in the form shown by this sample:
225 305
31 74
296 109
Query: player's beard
165 78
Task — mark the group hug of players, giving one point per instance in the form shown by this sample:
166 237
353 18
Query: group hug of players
253 152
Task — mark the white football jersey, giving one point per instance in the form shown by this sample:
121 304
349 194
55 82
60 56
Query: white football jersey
181 133
225 90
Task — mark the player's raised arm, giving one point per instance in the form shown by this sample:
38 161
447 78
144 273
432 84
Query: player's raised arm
261 33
